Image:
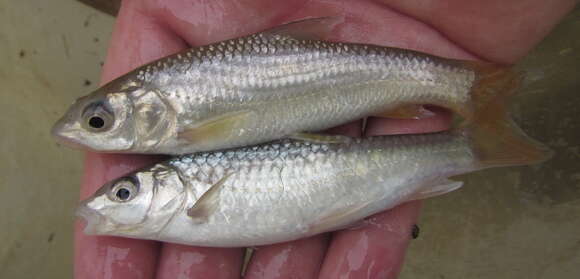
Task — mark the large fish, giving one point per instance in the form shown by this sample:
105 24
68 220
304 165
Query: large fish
291 189
268 86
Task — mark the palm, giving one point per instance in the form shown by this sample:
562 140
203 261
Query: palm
147 30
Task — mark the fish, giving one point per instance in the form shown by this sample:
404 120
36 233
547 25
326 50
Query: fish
290 189
285 82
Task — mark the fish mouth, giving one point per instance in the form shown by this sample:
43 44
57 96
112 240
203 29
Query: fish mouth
92 218
60 132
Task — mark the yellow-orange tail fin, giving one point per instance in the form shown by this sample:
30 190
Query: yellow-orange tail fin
498 141
492 82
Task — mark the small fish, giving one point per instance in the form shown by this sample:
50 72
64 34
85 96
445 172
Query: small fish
290 189
267 86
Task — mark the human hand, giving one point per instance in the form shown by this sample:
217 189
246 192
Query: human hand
149 29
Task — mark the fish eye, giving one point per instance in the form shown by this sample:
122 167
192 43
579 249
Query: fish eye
124 190
123 194
97 118
96 122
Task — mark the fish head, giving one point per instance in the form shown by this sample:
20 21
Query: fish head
117 118
98 122
137 205
120 205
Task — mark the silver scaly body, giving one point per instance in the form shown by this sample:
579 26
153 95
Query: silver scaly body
289 85
287 190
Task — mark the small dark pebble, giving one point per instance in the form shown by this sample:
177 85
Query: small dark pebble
96 40
22 53
102 63
415 231
50 237
87 82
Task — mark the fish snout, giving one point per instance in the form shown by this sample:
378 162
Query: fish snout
63 134
92 218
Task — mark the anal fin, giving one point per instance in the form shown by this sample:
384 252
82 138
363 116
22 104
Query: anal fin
437 188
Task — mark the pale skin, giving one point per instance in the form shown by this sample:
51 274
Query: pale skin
493 30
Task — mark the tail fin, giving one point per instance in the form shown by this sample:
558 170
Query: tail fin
492 82
498 141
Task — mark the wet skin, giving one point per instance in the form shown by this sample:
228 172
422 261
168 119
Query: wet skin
495 30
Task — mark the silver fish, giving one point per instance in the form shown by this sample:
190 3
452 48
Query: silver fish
268 86
291 189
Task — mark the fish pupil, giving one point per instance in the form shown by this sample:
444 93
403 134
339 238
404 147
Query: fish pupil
123 194
96 122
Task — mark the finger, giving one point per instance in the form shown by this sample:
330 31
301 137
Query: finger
180 261
111 257
296 259
367 21
137 38
204 22
375 251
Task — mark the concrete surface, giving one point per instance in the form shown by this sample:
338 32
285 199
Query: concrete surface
50 53
507 223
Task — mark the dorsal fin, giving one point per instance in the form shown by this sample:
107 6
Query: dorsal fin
306 29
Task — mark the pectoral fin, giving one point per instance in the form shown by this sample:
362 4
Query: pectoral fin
320 138
216 127
410 111
208 202
438 188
